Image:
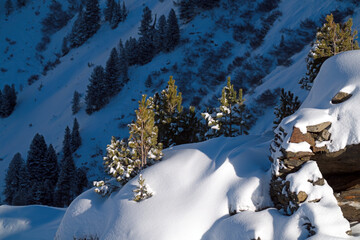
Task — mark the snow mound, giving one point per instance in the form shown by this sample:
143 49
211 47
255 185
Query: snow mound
340 73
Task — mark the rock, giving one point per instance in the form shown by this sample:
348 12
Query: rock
297 137
325 134
318 127
298 155
340 97
301 196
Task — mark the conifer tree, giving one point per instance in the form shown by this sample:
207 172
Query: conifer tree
132 51
91 18
21 197
96 95
187 10
55 19
287 106
9 8
36 160
190 128
172 31
168 108
75 103
146 41
116 16
75 136
148 82
144 133
81 181
142 192
124 12
109 9
13 178
78 33
161 34
8 100
52 167
331 39
112 73
123 65
67 149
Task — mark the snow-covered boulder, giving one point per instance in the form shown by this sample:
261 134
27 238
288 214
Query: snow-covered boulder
326 129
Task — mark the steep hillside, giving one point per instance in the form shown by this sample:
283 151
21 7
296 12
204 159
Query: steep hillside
212 41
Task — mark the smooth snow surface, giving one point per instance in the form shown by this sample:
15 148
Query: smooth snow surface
29 222
196 187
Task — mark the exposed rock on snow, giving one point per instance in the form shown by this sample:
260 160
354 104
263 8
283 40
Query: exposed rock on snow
331 132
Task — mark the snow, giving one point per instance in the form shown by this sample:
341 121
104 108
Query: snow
338 73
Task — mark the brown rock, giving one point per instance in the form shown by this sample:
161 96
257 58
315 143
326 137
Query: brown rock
298 155
297 137
302 196
293 162
340 97
325 134
318 127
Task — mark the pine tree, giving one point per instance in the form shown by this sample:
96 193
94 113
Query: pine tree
146 41
123 65
96 95
75 136
9 8
132 51
36 160
13 178
116 16
124 12
161 35
52 167
187 10
81 181
231 113
67 149
287 106
190 128
64 47
91 18
112 73
77 35
142 192
8 100
75 103
168 108
172 31
331 39
143 133
109 9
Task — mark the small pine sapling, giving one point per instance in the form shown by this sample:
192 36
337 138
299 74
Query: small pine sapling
287 106
143 191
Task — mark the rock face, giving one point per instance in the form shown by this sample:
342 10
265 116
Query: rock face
340 169
340 97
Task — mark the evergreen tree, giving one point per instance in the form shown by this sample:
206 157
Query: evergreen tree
55 19
8 100
161 35
123 65
287 106
231 113
52 167
78 33
172 31
64 47
9 8
148 82
331 39
116 16
67 149
96 95
75 136
132 51
36 160
64 187
146 41
112 73
109 9
141 192
168 108
81 181
124 12
13 178
75 103
190 128
143 133
91 18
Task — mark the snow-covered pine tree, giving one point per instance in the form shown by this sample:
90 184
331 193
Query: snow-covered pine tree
144 133
75 103
120 161
172 31
13 178
64 47
96 95
55 19
112 72
75 136
146 41
9 8
132 51
142 191
331 39
168 107
288 105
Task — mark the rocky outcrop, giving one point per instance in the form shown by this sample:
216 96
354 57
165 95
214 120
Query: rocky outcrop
340 97
340 169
